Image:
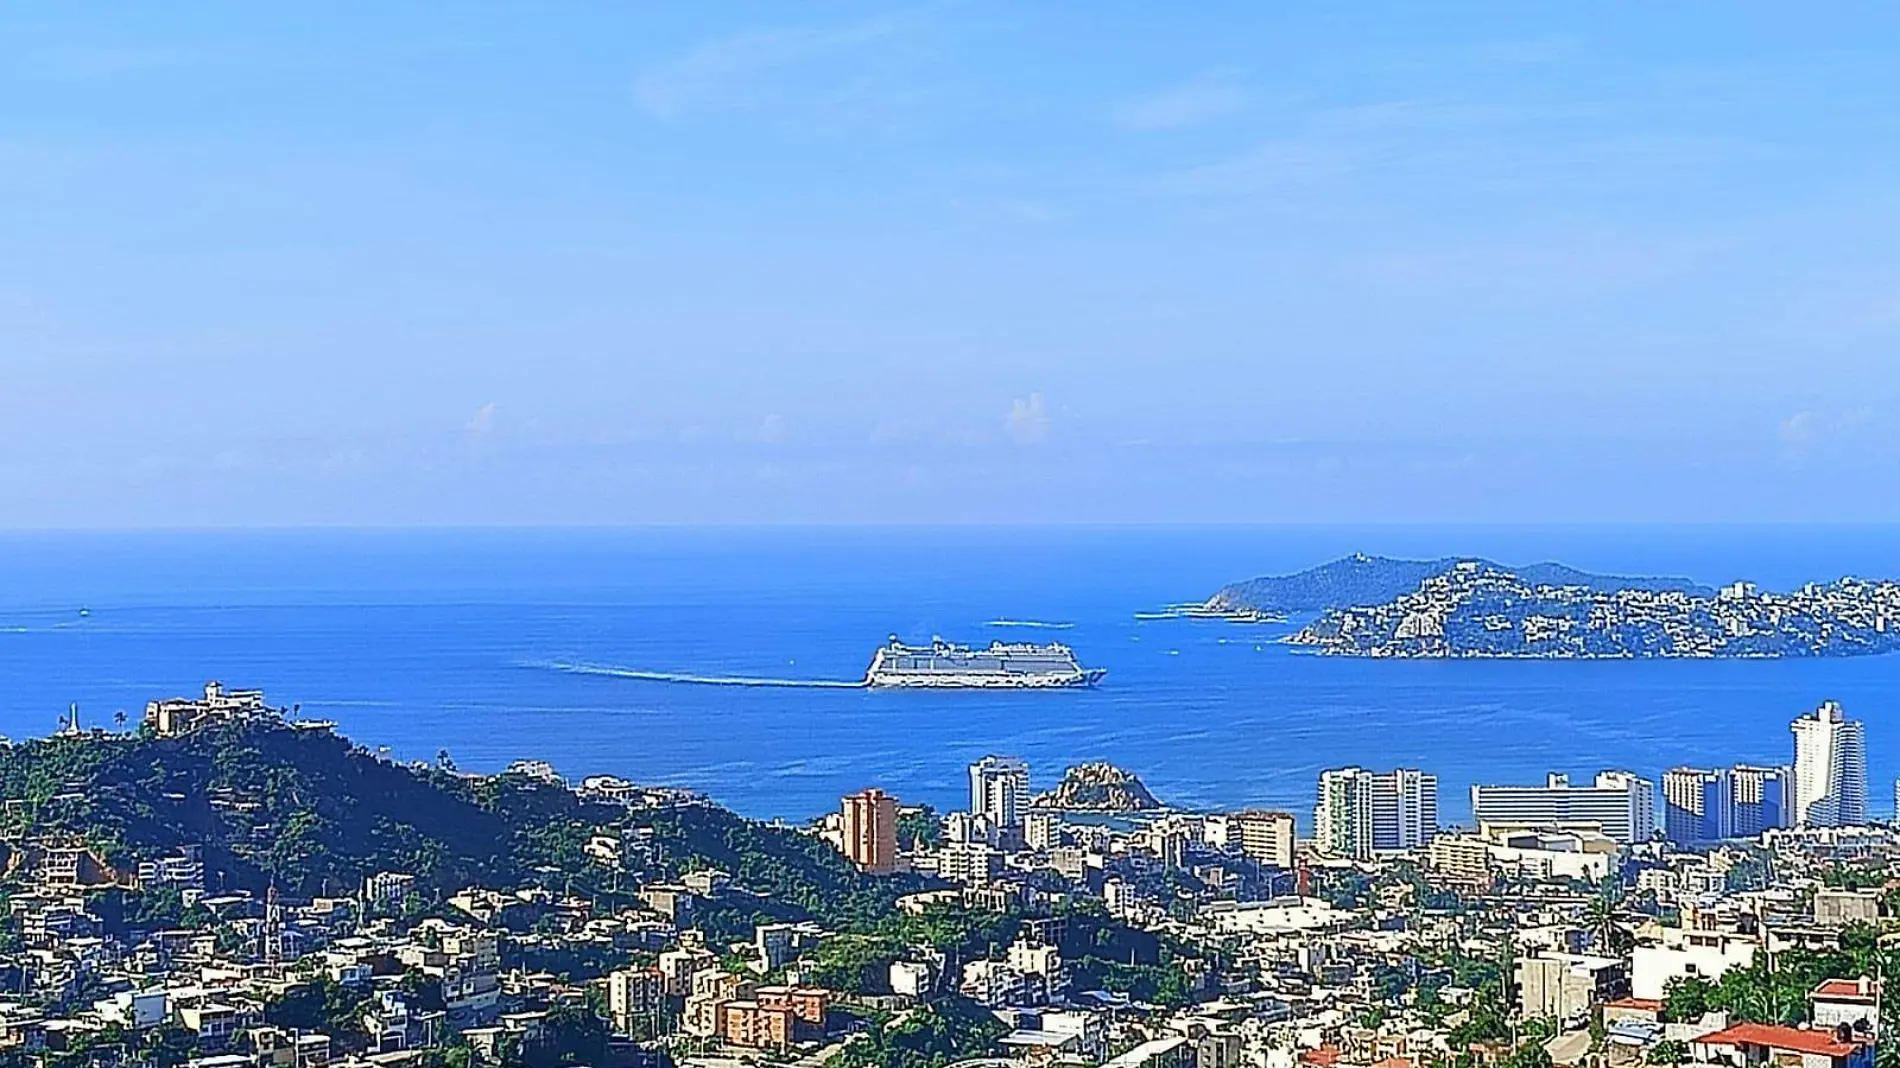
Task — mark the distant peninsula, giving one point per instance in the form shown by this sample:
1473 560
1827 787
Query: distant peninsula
1465 607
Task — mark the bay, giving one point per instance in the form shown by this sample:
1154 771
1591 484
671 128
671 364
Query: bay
467 640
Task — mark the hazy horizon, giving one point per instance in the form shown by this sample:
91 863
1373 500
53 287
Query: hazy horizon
967 263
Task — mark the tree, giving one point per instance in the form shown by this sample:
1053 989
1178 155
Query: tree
570 1034
919 828
1528 1055
1686 999
1668 1051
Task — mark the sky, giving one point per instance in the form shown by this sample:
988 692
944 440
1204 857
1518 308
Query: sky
565 263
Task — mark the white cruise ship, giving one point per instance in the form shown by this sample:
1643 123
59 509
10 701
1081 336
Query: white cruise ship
1011 666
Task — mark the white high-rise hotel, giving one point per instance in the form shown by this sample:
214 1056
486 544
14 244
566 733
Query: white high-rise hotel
1830 769
999 787
1360 812
1620 802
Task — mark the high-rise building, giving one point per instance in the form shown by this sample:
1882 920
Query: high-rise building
1042 830
1696 805
1342 819
1266 837
1620 802
1830 769
1404 809
870 831
998 787
635 996
1759 799
1701 806
1361 812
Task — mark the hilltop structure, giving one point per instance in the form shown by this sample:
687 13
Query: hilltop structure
181 715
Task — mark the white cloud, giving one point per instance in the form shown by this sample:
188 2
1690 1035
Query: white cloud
483 421
1211 96
1807 428
1028 422
772 429
1799 428
751 70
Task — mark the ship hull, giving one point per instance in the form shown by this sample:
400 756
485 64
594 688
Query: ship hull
949 681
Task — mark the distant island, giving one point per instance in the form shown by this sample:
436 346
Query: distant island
1464 607
1098 787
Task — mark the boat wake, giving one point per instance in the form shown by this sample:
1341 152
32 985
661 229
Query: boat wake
702 680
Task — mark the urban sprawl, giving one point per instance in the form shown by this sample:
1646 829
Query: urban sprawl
1736 916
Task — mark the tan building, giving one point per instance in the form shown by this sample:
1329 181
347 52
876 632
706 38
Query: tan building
807 1004
1460 857
713 991
753 1026
181 715
870 831
1266 837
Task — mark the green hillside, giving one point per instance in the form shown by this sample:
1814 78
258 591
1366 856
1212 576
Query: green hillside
313 813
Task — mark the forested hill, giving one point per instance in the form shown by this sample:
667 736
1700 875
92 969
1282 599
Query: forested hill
1360 580
313 813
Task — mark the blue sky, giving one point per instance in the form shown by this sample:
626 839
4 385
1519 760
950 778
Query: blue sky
963 262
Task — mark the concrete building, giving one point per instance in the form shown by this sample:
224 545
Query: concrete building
999 787
1564 986
1042 830
1844 908
750 1025
808 1007
1550 851
1342 818
1460 857
1695 806
1850 1003
1404 809
635 997
1680 953
971 865
181 715
1266 837
1622 804
1360 813
1760 799
1746 1044
1830 769
870 831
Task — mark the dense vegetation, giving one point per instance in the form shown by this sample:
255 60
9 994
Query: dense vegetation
931 1036
309 812
1778 993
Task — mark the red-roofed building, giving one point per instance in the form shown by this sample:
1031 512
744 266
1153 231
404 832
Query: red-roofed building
1854 1002
1326 1056
1645 1009
1747 1045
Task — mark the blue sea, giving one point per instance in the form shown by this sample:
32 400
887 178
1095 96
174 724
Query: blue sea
419 641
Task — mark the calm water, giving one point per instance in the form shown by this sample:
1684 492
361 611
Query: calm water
426 640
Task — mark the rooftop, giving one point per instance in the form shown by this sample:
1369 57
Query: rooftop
1797 1039
1862 989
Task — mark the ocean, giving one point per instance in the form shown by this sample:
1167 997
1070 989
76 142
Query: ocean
502 645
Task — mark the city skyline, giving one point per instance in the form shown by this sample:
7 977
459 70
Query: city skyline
949 535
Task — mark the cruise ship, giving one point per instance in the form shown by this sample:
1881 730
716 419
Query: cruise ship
1015 666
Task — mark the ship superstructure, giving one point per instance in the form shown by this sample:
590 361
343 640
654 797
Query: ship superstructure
1001 665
